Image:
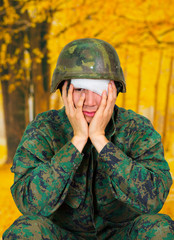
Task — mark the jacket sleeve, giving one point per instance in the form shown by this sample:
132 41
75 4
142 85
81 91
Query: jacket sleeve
42 177
140 177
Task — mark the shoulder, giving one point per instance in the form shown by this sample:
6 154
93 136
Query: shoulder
48 121
135 125
132 119
137 128
132 122
51 115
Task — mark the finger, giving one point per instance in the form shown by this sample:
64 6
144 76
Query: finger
110 94
103 102
114 91
80 102
70 98
114 88
111 98
64 93
64 97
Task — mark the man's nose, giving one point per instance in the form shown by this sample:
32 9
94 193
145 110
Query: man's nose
89 98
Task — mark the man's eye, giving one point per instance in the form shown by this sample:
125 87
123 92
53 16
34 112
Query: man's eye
78 89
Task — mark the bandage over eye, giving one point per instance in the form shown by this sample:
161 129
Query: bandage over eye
94 85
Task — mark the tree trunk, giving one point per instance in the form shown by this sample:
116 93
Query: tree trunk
13 91
14 112
40 74
156 91
167 102
139 82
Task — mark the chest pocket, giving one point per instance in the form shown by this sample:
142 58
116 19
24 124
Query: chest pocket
103 189
77 190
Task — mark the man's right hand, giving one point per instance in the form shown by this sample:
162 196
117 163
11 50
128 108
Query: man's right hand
76 117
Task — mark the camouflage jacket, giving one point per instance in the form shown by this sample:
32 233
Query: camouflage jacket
82 191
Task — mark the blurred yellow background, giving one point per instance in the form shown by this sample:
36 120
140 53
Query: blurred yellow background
141 31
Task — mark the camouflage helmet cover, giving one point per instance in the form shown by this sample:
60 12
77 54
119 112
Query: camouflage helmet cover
88 58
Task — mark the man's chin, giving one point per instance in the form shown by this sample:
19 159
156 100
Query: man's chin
88 119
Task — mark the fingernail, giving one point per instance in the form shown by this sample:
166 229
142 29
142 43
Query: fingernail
104 93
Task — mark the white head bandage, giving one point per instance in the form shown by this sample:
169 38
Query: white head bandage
94 85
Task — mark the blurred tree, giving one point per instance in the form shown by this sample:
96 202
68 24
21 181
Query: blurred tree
40 70
24 67
12 75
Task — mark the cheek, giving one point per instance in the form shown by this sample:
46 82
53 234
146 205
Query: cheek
98 100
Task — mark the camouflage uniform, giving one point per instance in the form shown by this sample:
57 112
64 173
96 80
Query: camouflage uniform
114 194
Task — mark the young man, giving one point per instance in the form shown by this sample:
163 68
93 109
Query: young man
91 170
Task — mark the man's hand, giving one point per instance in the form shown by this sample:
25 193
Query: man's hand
102 118
76 117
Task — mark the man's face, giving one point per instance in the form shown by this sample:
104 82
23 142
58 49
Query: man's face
91 103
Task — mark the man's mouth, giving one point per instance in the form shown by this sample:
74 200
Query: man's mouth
89 114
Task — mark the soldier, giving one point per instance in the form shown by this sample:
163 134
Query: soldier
91 170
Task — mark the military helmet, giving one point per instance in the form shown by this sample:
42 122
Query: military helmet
88 58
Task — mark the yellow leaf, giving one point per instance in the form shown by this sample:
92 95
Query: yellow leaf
26 45
37 52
